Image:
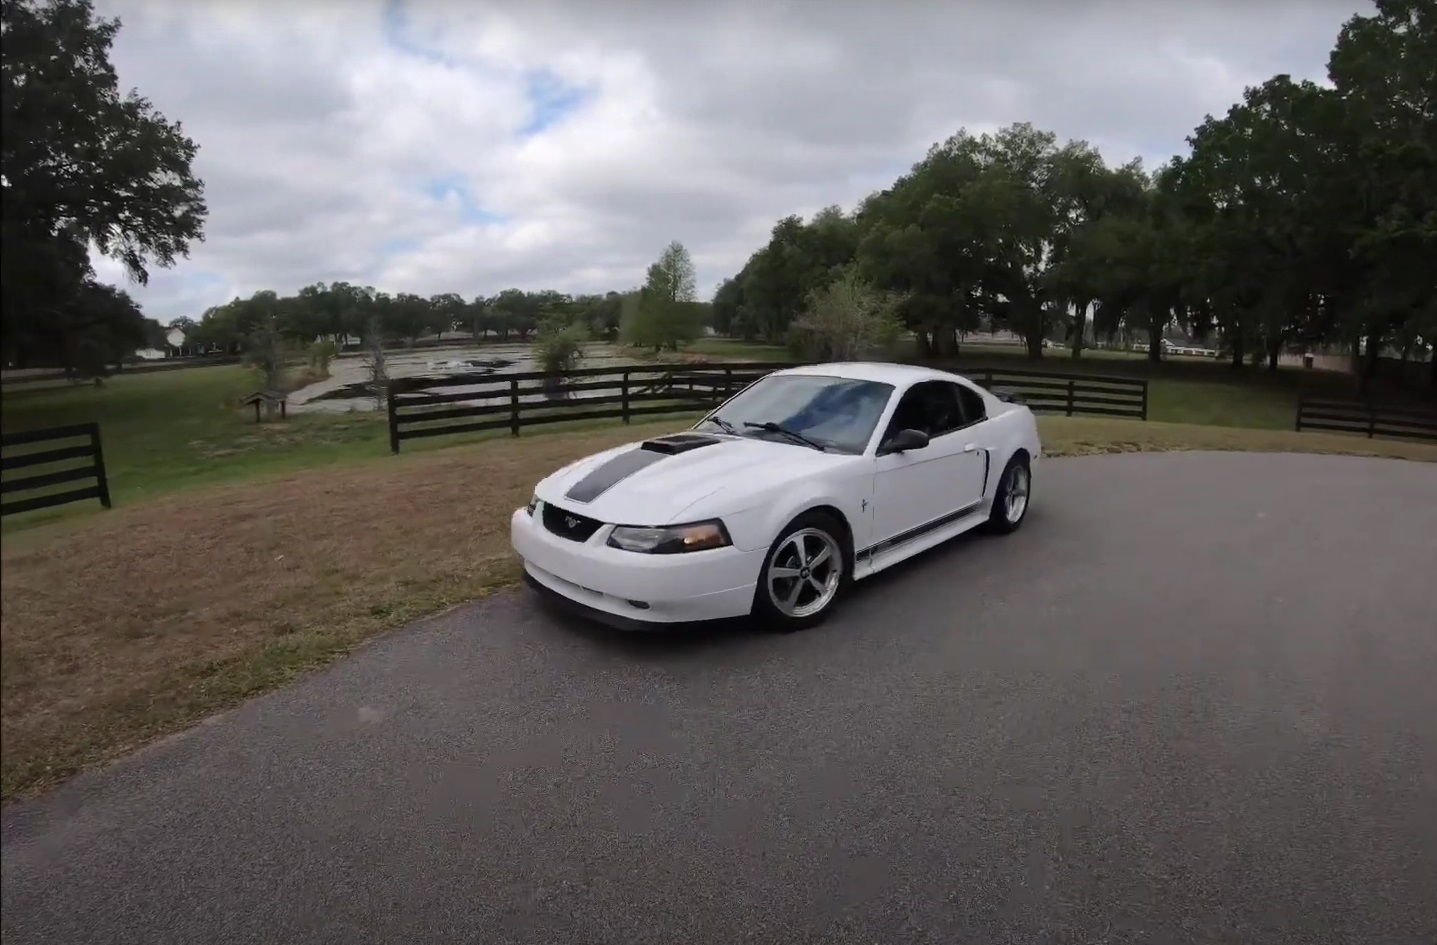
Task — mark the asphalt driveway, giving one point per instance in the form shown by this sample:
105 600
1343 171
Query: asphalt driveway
1193 700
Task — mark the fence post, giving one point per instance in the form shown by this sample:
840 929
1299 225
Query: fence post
513 408
104 482
727 383
624 408
1371 420
1297 424
393 388
1072 386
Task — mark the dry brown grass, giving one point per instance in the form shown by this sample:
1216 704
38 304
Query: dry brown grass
132 623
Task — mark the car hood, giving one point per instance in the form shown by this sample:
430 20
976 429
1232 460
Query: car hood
652 482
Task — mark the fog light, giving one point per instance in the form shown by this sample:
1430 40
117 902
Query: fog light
639 604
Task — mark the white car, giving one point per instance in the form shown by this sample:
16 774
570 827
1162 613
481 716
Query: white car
804 481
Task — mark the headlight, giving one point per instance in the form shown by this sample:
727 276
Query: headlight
533 503
670 539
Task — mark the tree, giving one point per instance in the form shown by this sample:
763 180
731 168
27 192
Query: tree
728 306
408 316
80 163
96 328
1382 68
446 313
558 348
672 278
846 320
514 310
376 367
664 316
266 351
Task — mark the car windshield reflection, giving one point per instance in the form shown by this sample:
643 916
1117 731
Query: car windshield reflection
838 413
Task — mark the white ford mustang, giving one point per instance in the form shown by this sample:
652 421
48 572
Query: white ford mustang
805 480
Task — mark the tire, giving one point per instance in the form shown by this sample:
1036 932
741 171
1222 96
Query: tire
1008 516
822 538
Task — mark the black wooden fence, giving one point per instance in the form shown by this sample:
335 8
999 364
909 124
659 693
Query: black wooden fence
91 470
1366 419
457 404
1069 394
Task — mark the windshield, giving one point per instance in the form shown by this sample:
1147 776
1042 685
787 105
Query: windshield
836 412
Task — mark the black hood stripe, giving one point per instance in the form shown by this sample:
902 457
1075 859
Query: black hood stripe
613 471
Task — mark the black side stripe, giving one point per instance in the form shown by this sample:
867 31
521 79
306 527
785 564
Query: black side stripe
612 472
913 534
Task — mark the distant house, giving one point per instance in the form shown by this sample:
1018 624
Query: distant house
175 347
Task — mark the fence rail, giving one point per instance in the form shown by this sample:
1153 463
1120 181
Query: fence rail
92 470
1366 419
447 406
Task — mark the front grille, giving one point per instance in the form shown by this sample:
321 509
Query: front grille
569 525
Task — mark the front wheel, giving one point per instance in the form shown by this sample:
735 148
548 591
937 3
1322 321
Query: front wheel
803 573
1010 502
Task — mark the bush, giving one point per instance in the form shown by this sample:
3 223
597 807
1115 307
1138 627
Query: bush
321 353
846 320
559 346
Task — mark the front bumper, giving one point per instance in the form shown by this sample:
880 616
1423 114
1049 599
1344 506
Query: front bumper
699 586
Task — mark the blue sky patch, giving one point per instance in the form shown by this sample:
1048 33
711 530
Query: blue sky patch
551 100
399 32
473 211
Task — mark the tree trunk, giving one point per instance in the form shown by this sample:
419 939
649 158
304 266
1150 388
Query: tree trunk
1080 327
1432 372
1238 353
1155 343
943 342
1369 365
1274 351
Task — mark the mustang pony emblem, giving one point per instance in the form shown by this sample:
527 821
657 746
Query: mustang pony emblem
571 522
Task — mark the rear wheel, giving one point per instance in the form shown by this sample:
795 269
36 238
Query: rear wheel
803 574
1010 502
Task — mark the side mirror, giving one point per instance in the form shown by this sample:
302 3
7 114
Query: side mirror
903 441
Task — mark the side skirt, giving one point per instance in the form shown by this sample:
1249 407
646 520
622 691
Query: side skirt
905 545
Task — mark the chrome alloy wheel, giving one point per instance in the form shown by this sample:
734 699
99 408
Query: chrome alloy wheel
804 573
1016 501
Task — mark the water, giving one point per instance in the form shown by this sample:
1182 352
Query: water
348 388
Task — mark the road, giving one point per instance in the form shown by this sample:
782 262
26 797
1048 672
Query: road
1193 700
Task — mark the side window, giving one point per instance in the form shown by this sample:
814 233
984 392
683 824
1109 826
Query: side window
930 406
971 404
945 410
910 414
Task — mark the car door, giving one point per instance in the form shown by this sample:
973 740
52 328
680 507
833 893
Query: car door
917 490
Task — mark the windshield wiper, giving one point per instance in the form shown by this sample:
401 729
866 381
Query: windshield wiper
722 424
769 426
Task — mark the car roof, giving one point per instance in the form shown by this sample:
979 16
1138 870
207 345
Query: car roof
882 371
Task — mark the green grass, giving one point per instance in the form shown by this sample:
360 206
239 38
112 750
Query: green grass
734 350
176 429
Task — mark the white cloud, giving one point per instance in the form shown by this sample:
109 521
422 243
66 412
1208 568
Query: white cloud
396 145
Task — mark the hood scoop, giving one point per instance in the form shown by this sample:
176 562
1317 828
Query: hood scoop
617 468
678 443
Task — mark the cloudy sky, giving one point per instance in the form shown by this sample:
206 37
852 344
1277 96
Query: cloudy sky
461 146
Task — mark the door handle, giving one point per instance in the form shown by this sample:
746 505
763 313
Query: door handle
971 448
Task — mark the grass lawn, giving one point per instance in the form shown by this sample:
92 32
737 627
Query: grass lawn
171 429
118 627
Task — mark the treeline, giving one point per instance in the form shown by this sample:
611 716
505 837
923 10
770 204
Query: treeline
1306 216
660 314
346 313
